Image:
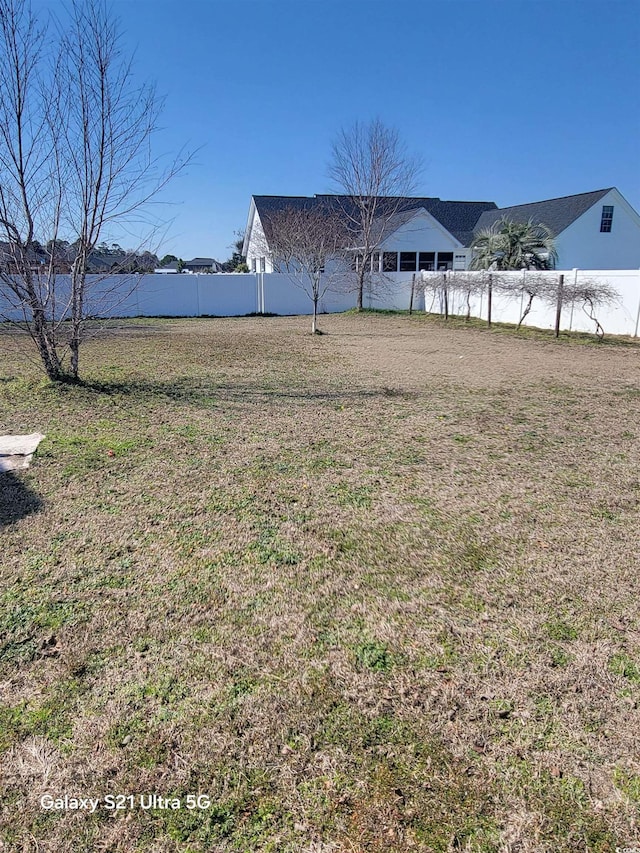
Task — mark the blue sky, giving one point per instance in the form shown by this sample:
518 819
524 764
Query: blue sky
505 100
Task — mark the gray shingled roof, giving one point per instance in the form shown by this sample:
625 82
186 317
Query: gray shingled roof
458 217
462 219
556 213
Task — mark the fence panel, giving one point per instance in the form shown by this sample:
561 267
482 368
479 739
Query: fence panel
233 294
619 318
226 294
392 291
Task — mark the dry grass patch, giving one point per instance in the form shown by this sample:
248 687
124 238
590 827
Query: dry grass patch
370 591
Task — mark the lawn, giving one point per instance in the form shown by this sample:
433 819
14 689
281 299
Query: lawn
370 591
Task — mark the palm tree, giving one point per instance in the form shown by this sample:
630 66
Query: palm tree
509 245
488 250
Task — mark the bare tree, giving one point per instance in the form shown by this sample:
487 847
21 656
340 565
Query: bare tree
75 162
466 286
307 245
590 295
436 288
526 285
452 291
370 165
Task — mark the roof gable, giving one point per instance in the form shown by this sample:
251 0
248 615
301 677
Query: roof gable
384 228
556 213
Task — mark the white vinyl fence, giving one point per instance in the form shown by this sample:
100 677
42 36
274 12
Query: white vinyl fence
621 317
233 294
219 295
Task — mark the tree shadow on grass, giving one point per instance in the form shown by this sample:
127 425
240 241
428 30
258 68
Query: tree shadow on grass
17 500
202 392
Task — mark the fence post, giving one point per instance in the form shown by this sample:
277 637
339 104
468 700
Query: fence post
446 296
489 299
575 289
413 286
559 305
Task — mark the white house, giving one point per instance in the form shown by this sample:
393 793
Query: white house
422 233
597 230
594 230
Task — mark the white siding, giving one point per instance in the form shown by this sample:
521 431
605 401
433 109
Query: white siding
257 247
422 233
583 245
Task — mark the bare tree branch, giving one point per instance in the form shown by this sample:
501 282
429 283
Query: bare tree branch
75 160
371 167
591 294
307 245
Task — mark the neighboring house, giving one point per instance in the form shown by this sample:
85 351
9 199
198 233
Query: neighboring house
168 269
423 233
101 264
596 230
64 257
205 265
37 258
127 262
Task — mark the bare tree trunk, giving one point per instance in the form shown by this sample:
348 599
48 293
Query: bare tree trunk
41 331
525 312
41 334
445 294
360 287
559 306
314 322
592 316
413 287
78 285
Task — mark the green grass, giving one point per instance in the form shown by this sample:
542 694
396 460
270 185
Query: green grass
371 592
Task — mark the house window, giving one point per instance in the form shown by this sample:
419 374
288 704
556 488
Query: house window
356 263
253 264
445 260
407 261
262 264
426 260
375 262
607 218
389 261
